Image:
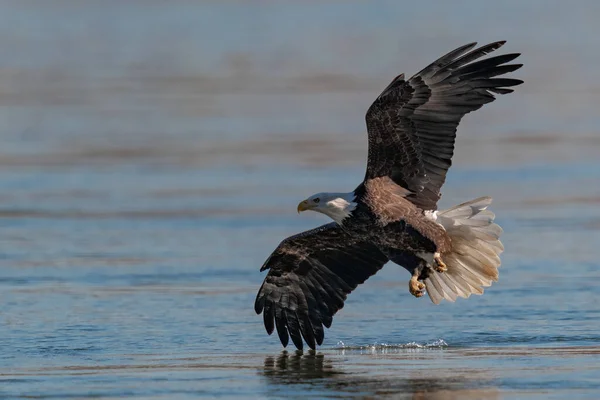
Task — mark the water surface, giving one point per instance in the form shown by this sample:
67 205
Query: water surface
152 157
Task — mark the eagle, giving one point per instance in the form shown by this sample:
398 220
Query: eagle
392 215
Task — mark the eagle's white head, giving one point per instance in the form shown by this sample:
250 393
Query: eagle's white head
338 206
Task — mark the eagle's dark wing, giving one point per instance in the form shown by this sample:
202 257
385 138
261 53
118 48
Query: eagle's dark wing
412 124
310 276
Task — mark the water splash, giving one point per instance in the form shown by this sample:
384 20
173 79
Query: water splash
383 348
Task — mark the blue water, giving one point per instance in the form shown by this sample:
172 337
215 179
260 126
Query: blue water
152 158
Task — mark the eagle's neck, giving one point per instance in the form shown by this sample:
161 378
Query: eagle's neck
339 206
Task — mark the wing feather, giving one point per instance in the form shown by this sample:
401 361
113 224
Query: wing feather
310 276
412 124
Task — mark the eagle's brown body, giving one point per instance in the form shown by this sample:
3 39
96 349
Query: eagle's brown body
387 201
392 215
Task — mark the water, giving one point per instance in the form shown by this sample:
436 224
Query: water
152 157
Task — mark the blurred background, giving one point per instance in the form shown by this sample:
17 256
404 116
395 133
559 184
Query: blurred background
153 153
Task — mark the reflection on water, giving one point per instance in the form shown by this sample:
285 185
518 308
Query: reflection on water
298 367
454 373
317 373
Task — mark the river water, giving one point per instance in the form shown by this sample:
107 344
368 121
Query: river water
152 157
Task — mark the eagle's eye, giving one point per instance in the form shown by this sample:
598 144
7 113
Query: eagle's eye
316 200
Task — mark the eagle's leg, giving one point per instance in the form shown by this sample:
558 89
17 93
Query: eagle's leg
440 266
415 287
416 265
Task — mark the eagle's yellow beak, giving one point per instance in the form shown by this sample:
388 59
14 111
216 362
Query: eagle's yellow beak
303 206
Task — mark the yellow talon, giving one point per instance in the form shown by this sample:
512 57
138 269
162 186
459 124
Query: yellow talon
415 287
440 266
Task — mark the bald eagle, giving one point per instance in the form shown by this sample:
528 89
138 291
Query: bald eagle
392 215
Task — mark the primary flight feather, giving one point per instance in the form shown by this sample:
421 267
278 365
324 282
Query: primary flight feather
392 215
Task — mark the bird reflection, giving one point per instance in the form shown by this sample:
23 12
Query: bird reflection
298 367
315 372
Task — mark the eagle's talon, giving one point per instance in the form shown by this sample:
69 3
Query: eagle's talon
415 287
440 266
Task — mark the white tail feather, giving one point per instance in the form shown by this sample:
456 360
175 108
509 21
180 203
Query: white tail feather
474 260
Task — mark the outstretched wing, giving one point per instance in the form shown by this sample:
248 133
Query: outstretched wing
310 275
412 124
